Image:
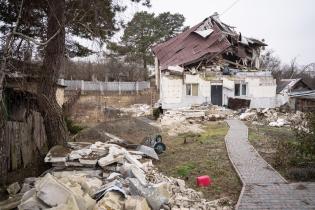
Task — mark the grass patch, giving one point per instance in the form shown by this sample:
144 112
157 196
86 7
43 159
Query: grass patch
72 127
202 154
185 169
267 141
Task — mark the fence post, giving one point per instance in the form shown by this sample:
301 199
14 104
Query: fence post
119 88
101 87
82 86
62 82
137 87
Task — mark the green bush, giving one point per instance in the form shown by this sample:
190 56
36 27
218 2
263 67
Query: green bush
73 128
301 150
185 169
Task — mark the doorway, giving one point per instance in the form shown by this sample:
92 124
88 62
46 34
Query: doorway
216 95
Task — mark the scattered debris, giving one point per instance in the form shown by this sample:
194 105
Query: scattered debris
121 178
138 110
275 118
13 188
186 120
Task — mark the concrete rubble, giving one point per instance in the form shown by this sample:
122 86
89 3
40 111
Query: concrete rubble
121 178
185 120
138 110
274 118
13 188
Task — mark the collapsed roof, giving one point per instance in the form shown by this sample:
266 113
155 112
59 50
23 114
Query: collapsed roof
292 85
205 42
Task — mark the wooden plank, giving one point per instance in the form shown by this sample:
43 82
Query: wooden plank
39 133
13 152
26 143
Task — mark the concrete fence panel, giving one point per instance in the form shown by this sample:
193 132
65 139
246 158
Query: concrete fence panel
105 86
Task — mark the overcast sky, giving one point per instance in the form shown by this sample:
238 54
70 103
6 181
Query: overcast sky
288 26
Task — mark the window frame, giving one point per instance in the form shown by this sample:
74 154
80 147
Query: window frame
241 86
190 85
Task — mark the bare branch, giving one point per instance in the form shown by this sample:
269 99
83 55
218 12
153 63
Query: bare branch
35 41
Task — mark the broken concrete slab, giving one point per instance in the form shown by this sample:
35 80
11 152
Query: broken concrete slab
136 203
57 154
111 200
81 172
13 188
32 203
88 162
133 160
26 187
109 159
148 151
156 195
53 193
113 176
139 174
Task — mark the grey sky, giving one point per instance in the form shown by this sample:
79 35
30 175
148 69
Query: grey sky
288 26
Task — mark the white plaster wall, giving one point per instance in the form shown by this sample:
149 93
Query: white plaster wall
257 90
261 91
203 85
263 102
171 89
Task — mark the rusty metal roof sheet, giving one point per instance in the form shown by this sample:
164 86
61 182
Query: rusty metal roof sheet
188 46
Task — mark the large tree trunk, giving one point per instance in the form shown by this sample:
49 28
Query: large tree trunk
3 143
55 126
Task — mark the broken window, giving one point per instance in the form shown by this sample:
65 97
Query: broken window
188 89
192 89
244 89
237 90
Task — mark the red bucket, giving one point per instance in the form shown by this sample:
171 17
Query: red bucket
203 181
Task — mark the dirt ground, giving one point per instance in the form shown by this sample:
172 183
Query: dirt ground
203 154
129 128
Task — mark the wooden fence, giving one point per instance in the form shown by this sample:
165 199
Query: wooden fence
23 143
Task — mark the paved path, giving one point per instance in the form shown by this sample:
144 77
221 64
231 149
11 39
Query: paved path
263 187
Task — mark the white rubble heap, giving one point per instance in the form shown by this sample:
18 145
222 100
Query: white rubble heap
110 177
138 110
274 118
185 120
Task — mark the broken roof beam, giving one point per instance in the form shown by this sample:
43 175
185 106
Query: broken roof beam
234 63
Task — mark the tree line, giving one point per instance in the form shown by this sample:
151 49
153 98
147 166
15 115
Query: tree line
290 70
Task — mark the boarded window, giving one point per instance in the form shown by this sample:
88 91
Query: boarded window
237 90
192 89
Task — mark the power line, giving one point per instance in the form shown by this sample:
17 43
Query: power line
230 7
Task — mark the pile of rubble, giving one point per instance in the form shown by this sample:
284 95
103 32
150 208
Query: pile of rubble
182 121
215 113
275 118
107 176
138 110
188 120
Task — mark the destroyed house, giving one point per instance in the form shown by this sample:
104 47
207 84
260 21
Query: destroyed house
212 63
296 94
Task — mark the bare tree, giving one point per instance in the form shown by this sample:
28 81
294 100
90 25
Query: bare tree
293 67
